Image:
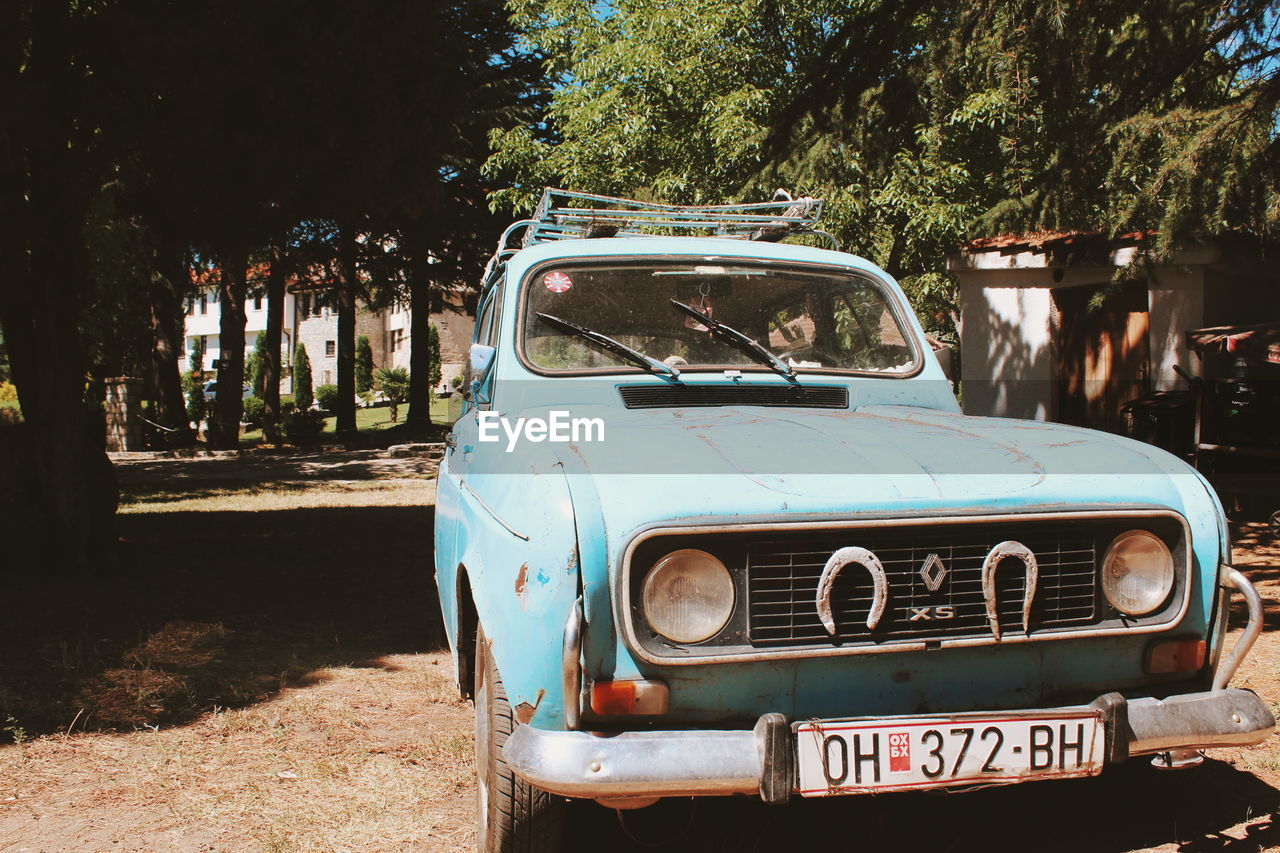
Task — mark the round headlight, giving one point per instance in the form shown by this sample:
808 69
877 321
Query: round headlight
688 596
1137 573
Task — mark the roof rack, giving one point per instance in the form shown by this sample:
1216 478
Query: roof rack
566 214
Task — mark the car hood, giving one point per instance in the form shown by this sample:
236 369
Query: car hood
750 462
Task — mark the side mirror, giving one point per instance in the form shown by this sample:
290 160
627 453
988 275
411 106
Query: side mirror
481 360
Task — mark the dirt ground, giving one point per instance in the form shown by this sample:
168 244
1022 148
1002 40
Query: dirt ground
262 670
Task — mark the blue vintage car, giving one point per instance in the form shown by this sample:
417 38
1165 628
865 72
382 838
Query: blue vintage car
712 523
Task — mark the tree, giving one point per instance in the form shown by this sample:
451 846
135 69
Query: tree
394 383
271 341
303 394
258 366
364 365
52 164
921 124
197 406
433 347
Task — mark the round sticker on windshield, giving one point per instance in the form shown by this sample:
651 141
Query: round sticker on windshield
557 282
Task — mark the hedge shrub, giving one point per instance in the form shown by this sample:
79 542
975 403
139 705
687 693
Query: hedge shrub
327 397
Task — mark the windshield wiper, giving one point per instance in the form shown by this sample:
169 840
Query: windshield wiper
739 341
618 348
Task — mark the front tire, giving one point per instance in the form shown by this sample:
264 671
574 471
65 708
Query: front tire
514 816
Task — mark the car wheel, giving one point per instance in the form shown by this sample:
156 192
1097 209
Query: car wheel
514 816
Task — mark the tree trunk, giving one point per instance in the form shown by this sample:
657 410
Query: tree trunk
167 294
229 405
271 347
67 483
346 345
420 304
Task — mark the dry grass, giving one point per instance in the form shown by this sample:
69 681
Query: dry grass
366 759
264 672
273 496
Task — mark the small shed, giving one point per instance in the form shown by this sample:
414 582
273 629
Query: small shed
1045 333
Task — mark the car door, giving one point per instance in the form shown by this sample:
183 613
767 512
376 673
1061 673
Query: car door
452 504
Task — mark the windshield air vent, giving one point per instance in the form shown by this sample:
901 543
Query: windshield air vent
674 396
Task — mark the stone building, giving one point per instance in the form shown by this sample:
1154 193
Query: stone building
311 318
1046 333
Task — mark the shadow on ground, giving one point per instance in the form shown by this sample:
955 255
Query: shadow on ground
1132 806
214 609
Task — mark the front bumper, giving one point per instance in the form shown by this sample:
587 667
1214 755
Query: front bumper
700 762
760 760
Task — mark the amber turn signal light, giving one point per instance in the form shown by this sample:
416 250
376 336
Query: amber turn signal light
628 698
1176 656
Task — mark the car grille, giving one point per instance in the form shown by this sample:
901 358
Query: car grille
783 575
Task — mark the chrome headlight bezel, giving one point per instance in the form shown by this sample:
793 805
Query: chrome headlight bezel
667 584
1120 572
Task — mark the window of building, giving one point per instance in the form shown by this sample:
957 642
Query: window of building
257 303
328 378
204 304
330 348
397 340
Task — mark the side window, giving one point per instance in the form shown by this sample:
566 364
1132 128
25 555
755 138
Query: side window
486 327
486 333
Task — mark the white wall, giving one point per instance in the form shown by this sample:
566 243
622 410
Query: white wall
1176 301
207 324
1006 346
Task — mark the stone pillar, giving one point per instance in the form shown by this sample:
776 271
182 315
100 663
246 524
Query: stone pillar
124 413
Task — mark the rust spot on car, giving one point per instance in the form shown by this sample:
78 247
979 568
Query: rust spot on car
524 711
522 582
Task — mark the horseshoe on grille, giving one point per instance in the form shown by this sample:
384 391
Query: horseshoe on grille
835 563
989 566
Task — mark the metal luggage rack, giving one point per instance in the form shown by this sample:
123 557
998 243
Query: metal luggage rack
566 214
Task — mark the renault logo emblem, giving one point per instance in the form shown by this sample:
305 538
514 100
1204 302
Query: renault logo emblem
933 572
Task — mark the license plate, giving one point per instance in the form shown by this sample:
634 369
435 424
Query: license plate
862 756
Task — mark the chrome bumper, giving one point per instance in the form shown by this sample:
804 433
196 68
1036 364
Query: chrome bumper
635 765
708 763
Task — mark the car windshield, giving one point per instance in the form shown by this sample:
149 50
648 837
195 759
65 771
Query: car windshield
810 318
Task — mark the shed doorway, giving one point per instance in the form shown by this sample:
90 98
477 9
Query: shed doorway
1102 356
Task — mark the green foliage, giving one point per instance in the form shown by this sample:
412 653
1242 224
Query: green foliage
327 397
257 366
303 394
197 356
920 124
8 392
252 413
433 348
115 321
197 406
10 416
456 382
364 365
4 359
302 428
393 382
